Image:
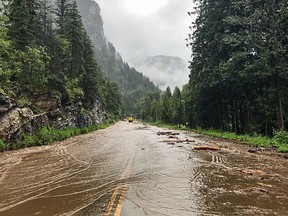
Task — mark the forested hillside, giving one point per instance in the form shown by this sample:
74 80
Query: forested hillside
133 84
45 48
239 73
239 70
48 67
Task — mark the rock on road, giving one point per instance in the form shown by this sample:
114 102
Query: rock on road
128 170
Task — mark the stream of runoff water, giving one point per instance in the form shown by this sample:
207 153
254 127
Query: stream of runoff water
128 170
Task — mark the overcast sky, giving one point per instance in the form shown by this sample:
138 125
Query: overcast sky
141 28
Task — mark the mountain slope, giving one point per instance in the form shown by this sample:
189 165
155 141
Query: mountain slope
133 85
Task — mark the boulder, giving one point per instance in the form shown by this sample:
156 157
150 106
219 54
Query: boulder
46 102
98 113
6 103
84 120
14 120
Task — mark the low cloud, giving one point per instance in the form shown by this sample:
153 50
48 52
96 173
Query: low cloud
137 36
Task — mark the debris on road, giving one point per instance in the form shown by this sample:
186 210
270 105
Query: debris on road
252 150
179 141
144 127
172 137
167 133
142 148
213 148
255 190
257 173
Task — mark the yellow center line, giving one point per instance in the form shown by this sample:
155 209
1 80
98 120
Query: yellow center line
120 202
113 201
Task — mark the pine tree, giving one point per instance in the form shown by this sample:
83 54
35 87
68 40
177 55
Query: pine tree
19 31
74 32
92 78
177 106
167 106
7 56
62 7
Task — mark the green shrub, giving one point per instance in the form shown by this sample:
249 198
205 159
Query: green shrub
44 136
280 140
3 146
29 140
84 130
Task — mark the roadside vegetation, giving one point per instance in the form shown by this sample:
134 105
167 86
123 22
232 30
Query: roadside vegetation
279 141
238 78
48 135
45 48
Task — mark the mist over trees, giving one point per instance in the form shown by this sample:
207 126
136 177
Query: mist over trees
239 69
45 48
132 84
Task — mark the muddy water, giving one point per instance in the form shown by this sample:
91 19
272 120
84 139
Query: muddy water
127 170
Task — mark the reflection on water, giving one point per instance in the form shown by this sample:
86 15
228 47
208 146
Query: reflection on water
127 169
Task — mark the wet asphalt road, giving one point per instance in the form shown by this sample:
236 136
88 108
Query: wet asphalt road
127 170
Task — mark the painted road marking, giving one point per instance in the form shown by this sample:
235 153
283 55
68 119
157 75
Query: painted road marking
120 202
115 205
111 203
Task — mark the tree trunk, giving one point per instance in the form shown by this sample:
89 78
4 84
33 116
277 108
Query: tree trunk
237 124
280 119
233 116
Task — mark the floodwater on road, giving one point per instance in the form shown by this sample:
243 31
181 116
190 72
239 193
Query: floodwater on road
128 170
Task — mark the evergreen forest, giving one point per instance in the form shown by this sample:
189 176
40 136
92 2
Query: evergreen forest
238 70
45 48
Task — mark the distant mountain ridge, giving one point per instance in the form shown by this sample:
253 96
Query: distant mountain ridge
165 70
133 85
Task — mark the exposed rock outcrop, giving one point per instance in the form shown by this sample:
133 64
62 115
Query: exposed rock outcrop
13 120
16 120
6 104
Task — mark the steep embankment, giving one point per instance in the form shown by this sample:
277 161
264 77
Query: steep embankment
44 110
133 84
49 78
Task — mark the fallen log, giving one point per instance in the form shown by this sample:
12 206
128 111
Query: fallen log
187 140
172 137
168 133
252 172
169 141
179 141
213 148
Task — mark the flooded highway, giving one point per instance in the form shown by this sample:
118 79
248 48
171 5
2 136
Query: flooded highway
129 170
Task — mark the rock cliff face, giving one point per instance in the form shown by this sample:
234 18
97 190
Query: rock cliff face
132 84
16 120
93 22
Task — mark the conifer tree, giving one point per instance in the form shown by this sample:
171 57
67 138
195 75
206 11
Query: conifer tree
177 106
167 106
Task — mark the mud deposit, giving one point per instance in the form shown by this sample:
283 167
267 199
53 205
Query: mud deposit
128 170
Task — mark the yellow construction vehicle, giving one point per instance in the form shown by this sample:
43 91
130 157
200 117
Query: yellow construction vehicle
130 119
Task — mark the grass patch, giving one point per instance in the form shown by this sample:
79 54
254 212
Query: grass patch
256 140
48 135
